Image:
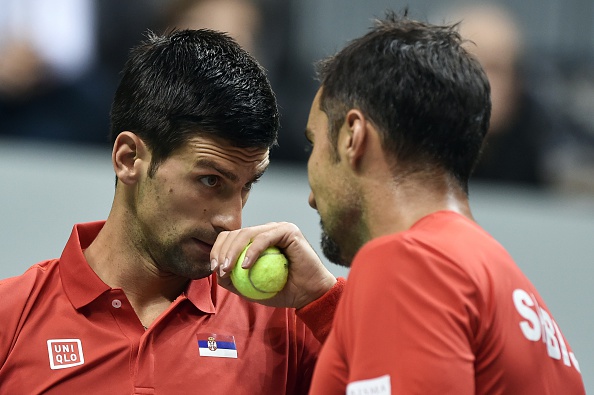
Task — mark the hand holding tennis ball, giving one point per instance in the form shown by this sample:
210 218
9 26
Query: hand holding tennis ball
265 278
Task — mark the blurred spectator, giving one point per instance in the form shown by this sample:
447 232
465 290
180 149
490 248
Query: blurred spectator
120 26
59 61
241 19
524 127
263 27
572 159
49 87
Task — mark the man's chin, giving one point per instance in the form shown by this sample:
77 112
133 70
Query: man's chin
192 263
332 251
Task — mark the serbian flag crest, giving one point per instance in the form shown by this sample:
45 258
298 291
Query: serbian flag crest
215 345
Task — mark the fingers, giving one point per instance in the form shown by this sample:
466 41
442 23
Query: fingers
230 244
226 250
308 277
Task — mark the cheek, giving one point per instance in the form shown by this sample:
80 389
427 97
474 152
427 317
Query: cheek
313 175
173 201
315 162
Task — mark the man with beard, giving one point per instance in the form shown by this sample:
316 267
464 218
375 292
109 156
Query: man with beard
131 305
433 305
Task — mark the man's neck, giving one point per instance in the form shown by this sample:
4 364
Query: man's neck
118 263
395 207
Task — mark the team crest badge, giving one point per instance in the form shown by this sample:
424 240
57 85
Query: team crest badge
212 344
216 345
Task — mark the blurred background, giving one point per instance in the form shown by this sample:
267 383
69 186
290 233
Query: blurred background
533 189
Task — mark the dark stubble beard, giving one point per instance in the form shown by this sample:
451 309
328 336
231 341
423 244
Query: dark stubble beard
178 263
331 249
170 257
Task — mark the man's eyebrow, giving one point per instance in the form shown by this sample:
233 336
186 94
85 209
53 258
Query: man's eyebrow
226 173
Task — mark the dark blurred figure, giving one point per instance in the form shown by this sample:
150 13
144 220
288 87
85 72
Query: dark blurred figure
50 88
263 27
572 160
241 19
120 26
524 127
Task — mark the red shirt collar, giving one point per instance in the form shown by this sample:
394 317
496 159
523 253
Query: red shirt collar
82 285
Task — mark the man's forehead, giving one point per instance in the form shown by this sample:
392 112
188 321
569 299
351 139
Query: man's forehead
212 145
225 157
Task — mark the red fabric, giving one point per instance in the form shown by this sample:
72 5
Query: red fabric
60 312
319 314
443 309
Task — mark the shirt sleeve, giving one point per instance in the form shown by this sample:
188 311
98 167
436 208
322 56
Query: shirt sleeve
409 313
15 293
319 314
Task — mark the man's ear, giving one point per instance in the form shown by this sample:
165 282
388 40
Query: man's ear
129 157
356 143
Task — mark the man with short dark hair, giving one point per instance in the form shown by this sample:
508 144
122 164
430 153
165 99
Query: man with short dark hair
433 304
131 305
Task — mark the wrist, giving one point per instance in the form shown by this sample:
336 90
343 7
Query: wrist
319 314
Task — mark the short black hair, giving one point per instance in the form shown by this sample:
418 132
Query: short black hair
189 82
429 98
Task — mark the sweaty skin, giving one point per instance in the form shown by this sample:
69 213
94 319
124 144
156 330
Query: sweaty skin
172 217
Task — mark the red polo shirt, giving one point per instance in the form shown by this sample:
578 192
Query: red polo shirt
64 331
442 309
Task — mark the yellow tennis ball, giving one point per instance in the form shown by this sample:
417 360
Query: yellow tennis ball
265 278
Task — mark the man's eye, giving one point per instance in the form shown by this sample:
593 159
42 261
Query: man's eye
209 181
248 187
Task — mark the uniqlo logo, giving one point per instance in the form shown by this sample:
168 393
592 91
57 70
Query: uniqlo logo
65 353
